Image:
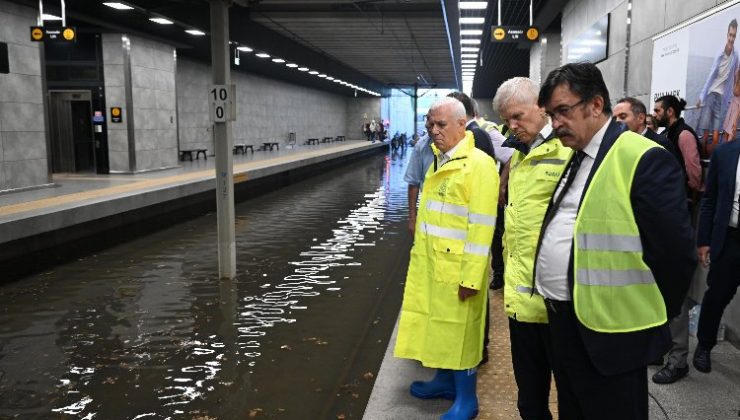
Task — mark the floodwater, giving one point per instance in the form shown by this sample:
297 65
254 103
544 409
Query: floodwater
146 330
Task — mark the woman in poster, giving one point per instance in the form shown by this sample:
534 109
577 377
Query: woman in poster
733 112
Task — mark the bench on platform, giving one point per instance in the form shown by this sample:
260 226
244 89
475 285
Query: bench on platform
341 138
312 141
327 139
189 153
269 145
242 148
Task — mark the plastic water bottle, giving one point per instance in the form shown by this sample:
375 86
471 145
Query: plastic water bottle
694 320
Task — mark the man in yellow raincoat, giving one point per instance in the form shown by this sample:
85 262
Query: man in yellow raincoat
443 313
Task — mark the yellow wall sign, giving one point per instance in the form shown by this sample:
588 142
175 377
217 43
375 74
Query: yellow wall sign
115 114
514 34
37 33
61 34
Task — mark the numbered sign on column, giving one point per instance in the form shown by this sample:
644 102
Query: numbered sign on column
223 103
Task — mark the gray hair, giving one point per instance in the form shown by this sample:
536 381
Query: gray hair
517 90
457 108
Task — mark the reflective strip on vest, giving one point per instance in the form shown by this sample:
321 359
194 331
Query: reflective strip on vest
446 233
482 219
447 208
617 243
534 162
593 277
471 248
524 289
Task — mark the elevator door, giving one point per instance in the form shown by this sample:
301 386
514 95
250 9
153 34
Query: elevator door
73 146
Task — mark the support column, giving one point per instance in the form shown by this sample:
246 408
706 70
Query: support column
416 101
220 60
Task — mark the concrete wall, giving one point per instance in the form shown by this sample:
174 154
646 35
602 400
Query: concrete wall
357 108
152 68
485 109
544 56
23 150
649 17
267 110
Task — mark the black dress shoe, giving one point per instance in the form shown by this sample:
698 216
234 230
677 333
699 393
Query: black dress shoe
670 374
497 282
657 362
702 360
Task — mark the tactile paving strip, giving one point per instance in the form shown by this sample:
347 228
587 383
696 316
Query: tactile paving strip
496 385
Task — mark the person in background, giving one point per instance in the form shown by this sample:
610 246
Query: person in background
373 130
632 112
535 168
420 160
650 123
444 303
718 236
733 112
482 141
619 215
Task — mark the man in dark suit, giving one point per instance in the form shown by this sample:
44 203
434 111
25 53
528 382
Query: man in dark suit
719 237
631 251
482 140
633 113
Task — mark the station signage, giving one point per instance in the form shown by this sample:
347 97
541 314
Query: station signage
222 99
116 116
514 34
59 34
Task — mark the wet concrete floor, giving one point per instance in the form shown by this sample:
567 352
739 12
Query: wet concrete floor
146 330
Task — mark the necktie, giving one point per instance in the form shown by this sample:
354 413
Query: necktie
573 166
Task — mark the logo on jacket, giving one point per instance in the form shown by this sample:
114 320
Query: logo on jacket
442 190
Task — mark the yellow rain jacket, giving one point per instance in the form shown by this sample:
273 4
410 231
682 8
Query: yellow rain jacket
532 181
454 229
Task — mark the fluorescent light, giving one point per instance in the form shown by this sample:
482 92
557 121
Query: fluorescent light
322 75
262 55
473 5
469 41
314 72
195 32
468 61
47 16
469 49
473 20
161 21
278 60
118 6
292 65
245 49
329 78
474 32
302 68
469 55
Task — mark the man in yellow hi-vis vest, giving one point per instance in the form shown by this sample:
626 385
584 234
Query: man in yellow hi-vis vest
444 304
535 169
615 255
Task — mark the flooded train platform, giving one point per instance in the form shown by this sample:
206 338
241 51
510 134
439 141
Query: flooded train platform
146 330
79 205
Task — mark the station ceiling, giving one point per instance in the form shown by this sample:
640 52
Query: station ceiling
376 44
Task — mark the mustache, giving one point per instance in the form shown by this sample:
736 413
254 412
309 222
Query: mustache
562 132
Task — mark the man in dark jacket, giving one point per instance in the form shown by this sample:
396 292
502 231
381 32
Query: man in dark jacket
619 213
482 140
632 112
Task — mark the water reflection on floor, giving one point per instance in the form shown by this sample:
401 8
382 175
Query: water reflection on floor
146 330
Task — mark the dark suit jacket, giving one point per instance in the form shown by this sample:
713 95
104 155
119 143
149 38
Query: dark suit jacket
659 204
482 139
716 205
663 141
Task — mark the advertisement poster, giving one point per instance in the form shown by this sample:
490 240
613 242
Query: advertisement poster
699 63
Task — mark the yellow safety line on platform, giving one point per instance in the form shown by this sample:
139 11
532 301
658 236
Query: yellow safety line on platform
239 176
497 388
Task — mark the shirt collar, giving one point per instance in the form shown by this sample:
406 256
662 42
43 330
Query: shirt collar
644 132
470 121
592 148
543 135
450 153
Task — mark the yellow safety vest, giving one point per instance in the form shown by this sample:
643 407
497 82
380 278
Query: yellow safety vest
532 181
454 229
614 290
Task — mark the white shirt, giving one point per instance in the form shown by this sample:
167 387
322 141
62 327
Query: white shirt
552 262
541 136
735 205
445 157
723 72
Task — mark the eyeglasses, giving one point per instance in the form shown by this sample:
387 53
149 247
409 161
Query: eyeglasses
563 110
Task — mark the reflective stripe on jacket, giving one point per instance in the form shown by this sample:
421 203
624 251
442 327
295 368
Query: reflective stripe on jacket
614 290
455 224
532 181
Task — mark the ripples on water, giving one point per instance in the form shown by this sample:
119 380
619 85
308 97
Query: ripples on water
146 330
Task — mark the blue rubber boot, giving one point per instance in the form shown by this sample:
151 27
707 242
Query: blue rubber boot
442 386
466 402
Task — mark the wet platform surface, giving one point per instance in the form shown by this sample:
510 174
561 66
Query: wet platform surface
714 396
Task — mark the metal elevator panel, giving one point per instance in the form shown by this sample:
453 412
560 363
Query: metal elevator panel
73 147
